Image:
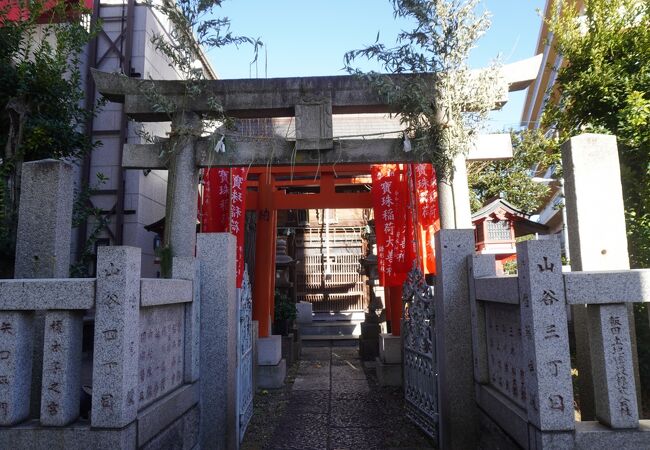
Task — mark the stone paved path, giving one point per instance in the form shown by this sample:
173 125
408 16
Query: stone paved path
333 404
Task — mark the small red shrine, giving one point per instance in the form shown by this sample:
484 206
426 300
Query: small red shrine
497 226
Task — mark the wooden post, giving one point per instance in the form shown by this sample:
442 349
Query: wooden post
264 256
271 267
395 309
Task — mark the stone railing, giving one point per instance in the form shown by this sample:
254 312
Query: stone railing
156 343
144 357
522 365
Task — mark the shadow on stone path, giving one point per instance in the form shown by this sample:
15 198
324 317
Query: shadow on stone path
333 403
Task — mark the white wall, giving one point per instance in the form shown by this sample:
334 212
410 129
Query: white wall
144 193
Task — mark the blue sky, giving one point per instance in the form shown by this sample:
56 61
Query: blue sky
310 37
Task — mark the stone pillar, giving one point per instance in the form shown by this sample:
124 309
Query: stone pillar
614 387
458 412
44 220
117 337
182 185
264 253
590 162
453 196
60 390
42 251
186 268
16 337
545 336
117 333
479 266
218 352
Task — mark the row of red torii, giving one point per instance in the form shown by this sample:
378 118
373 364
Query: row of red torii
403 198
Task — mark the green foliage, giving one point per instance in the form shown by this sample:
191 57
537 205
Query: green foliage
41 112
604 86
510 268
442 103
194 28
511 179
285 309
643 349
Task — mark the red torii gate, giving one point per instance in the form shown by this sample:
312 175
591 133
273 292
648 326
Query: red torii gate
271 196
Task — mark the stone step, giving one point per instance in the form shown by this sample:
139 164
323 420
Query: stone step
331 328
338 316
332 340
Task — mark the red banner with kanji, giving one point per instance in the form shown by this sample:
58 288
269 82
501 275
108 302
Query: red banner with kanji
390 204
426 188
223 207
405 200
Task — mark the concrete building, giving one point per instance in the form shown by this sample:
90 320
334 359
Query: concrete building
539 94
130 199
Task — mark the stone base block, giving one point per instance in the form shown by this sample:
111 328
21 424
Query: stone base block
77 435
289 349
269 350
304 312
370 330
182 433
368 349
271 377
297 349
388 374
297 343
390 348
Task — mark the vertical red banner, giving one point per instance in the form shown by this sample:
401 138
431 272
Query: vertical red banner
428 216
223 207
216 197
390 205
238 215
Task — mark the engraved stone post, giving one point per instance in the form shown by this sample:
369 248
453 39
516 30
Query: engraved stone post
479 266
217 255
182 186
42 251
61 368
545 336
115 361
187 268
458 412
590 161
611 361
15 366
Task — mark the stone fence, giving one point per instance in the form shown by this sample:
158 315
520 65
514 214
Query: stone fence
144 356
522 365
161 359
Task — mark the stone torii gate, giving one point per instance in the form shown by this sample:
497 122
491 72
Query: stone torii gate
312 101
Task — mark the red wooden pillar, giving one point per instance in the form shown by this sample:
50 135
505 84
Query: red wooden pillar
389 317
395 309
272 243
264 255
